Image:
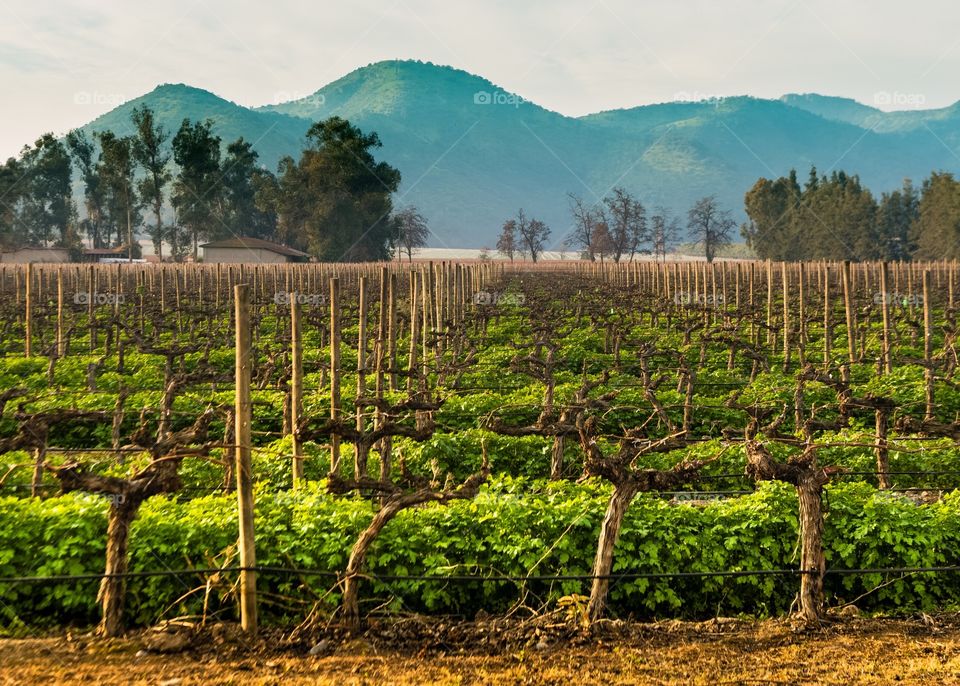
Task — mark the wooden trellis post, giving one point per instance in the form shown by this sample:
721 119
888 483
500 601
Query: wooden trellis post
827 318
296 388
785 276
242 414
928 345
61 347
885 305
848 308
335 372
29 311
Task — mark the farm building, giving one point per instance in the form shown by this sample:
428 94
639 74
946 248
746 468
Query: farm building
239 250
105 254
24 255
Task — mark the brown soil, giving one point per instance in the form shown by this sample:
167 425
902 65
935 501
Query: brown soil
852 651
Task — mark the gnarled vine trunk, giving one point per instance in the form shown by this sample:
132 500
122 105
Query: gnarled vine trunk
161 475
556 458
812 562
351 585
623 494
392 506
113 586
808 479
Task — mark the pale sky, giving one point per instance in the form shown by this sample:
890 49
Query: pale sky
64 62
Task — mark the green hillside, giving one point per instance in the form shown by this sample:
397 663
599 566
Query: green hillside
943 121
274 134
833 108
471 153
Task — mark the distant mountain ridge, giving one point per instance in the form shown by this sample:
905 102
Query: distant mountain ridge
472 153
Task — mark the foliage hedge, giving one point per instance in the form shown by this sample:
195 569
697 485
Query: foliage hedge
514 527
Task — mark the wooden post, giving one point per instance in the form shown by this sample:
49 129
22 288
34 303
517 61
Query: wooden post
414 331
827 318
359 455
425 307
928 343
771 336
380 348
802 294
176 281
848 307
61 347
385 445
785 277
950 285
296 388
243 468
29 310
885 309
392 331
335 372
736 291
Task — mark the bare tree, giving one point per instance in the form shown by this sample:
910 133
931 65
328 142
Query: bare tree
412 231
507 242
664 231
532 234
710 226
585 220
601 242
627 223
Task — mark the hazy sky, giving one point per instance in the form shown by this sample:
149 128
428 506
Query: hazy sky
64 62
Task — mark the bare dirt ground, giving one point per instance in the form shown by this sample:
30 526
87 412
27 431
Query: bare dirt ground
853 651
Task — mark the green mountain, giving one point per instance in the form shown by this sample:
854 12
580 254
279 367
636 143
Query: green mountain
942 121
472 153
273 134
833 108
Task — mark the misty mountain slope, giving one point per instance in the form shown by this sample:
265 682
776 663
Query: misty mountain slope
834 108
471 153
273 134
941 123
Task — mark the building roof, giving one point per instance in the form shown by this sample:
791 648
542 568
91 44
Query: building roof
119 250
255 244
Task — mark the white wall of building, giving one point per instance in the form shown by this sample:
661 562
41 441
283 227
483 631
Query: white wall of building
241 255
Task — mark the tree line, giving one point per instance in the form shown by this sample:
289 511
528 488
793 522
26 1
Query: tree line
837 217
617 227
334 202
